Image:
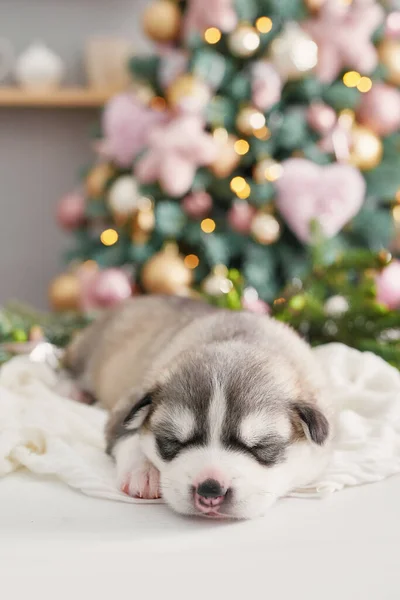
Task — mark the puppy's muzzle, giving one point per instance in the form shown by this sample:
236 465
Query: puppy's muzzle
209 496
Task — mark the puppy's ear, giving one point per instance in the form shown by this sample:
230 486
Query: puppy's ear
137 414
314 423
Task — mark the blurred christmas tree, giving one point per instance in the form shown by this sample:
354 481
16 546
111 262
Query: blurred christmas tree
263 138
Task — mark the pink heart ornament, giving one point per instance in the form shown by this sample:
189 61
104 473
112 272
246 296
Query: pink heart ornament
331 195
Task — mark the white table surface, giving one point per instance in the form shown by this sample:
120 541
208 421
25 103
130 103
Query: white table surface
56 543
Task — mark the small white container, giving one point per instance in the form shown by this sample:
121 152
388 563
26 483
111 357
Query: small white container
39 68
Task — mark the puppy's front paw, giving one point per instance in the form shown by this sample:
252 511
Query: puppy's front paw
136 475
143 482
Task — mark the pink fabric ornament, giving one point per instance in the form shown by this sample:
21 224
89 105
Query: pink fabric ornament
202 14
392 25
330 195
380 109
71 211
240 217
197 205
175 151
388 285
266 85
126 125
343 33
321 117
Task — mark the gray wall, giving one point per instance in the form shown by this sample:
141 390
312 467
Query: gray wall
41 150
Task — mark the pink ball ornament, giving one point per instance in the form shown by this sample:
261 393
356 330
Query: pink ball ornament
388 285
321 117
380 109
240 217
201 14
110 287
257 306
87 274
197 205
392 25
253 303
71 211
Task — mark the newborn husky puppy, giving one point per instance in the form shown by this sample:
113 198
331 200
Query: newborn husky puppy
218 412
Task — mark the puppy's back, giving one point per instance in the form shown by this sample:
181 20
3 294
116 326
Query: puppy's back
117 350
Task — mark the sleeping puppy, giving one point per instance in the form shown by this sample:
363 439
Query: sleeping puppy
218 412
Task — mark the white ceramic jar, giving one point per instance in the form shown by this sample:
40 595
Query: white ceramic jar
39 68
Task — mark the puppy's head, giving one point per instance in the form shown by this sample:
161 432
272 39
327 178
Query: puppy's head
231 432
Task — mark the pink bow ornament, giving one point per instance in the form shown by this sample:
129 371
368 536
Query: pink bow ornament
343 33
126 126
175 151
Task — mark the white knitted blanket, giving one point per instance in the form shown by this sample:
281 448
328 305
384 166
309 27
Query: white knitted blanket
46 433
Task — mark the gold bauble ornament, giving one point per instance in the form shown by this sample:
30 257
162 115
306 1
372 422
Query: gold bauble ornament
143 221
227 158
293 52
97 179
265 229
217 283
189 93
244 41
161 21
267 170
389 54
366 148
64 292
123 196
314 5
166 273
36 334
249 120
144 93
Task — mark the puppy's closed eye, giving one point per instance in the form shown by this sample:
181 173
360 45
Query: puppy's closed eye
267 451
169 446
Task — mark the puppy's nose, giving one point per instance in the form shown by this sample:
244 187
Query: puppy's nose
210 488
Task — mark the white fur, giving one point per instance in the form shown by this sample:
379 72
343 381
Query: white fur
183 421
136 475
258 425
254 486
216 414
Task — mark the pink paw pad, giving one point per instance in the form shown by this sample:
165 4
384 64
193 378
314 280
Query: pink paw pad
144 484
